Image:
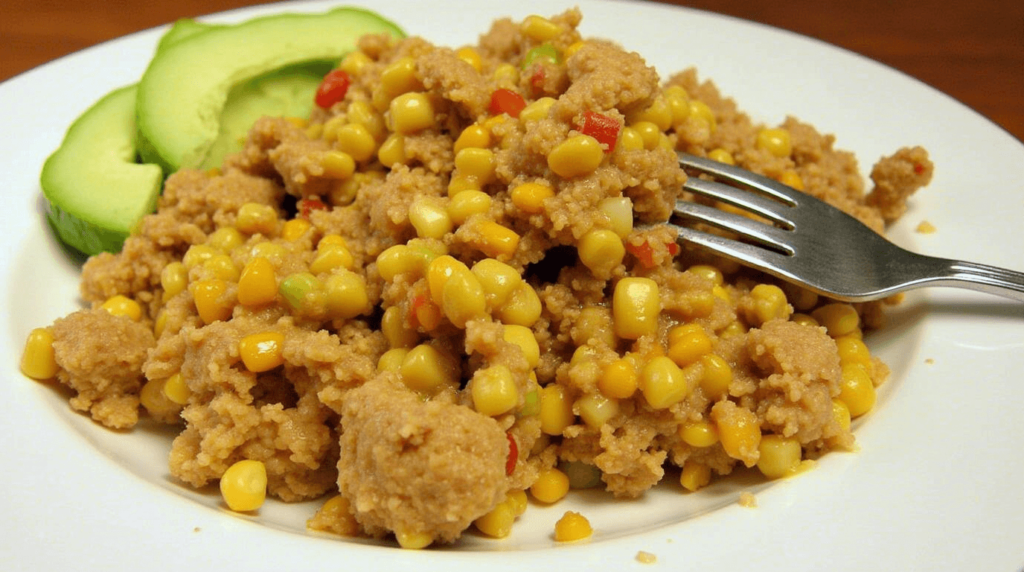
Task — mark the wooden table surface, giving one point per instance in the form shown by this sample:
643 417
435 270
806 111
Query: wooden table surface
973 51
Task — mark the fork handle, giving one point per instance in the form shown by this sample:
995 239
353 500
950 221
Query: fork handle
974 276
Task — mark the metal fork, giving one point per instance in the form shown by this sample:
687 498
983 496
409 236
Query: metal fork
814 244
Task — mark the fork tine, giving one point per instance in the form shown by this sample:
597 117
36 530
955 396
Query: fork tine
770 236
741 177
754 256
744 199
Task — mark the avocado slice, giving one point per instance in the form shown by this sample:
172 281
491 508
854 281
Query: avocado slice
185 88
96 190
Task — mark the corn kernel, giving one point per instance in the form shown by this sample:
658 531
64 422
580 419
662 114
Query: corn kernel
839 319
619 211
357 142
301 291
537 110
354 63
471 57
413 540
244 485
411 113
694 476
395 329
462 183
473 136
601 251
853 350
225 239
399 259
518 501
769 303
739 432
722 156
493 390
595 409
392 359
778 456
856 390
329 257
659 113
173 279
427 370
152 397
262 352
362 113
576 156
476 162
551 486
392 151
439 271
498 522
463 299
272 251
197 254
664 384
38 360
776 141
717 376
555 410
540 28
466 204
495 240
345 295
571 527
257 284
119 305
530 197
573 48
630 139
635 307
618 379
841 413
399 77
792 179
176 390
338 164
210 300
221 266
256 218
700 110
430 218
294 229
523 337
649 134
523 306
699 434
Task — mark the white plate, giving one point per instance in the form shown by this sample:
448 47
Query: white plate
935 484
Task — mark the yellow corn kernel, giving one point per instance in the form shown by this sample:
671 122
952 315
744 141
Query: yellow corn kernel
439 271
576 156
328 257
619 211
694 476
294 229
722 156
462 298
244 485
679 106
630 139
476 162
362 113
856 390
37 359
635 307
495 240
357 142
573 48
551 486
270 250
197 254
687 344
395 329
707 271
413 540
523 306
466 204
555 410
530 197
853 350
176 390
160 324
618 379
717 376
430 218
471 57
354 62
400 259
649 134
537 110
498 522
659 113
571 527
225 239
699 434
315 131
332 240
399 77
330 131
838 318
493 390
152 397
518 501
345 295
769 303
473 136
256 218
427 370
524 338
776 141
601 251
210 301
700 110
498 280
262 352
392 151
740 434
257 284
221 266
540 28
392 360
411 113
663 383
119 305
462 183
778 456
595 409
793 179
804 320
338 164
841 413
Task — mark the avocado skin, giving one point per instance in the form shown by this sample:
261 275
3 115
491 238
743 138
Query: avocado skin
180 119
95 189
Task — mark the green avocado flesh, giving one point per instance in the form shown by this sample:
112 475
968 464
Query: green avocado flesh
96 190
206 85
180 102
